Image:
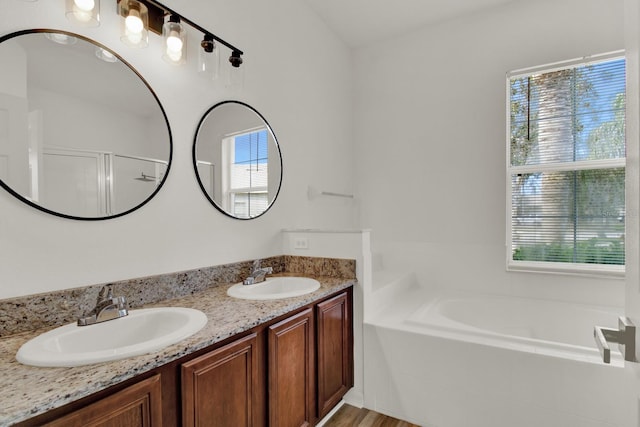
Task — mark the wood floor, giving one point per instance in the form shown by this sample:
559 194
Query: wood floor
349 416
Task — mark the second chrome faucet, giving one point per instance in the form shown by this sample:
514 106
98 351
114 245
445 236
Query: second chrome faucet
258 274
107 307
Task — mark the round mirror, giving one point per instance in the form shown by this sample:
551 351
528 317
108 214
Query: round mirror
82 135
237 160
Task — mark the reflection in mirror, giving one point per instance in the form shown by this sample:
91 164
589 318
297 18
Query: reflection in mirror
237 160
81 133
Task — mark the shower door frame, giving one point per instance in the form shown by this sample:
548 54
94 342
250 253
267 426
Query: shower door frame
105 172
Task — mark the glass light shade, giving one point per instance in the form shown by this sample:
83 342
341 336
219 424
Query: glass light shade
134 31
209 60
83 12
235 77
175 42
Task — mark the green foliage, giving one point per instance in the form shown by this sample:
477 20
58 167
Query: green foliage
607 141
592 251
600 193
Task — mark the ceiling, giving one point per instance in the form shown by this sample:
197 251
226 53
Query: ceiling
363 22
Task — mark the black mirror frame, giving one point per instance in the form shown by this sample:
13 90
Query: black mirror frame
195 159
164 178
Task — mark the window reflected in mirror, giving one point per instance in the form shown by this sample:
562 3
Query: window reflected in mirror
237 160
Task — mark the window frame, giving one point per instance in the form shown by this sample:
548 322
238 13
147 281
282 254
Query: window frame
599 270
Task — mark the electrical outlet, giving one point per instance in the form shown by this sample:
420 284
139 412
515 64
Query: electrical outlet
300 243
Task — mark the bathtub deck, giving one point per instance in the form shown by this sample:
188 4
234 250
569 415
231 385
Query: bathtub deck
349 416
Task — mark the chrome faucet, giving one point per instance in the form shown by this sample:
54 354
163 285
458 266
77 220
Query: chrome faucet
258 274
107 308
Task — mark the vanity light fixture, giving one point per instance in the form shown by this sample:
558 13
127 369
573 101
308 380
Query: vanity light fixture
83 12
141 16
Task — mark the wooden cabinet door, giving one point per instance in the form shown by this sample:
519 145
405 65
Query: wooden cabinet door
290 372
139 405
335 354
221 388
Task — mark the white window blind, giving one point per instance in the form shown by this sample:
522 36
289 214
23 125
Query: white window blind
566 167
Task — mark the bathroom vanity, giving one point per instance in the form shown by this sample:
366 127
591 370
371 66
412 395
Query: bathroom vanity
289 370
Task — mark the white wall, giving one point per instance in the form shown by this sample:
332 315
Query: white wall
298 75
430 138
13 75
68 120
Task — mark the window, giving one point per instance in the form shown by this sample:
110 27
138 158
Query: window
246 178
566 167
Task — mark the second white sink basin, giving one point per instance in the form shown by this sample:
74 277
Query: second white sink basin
275 288
142 331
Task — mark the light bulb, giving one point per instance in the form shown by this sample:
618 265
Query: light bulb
174 55
61 38
134 38
133 22
82 16
85 5
174 42
105 55
108 55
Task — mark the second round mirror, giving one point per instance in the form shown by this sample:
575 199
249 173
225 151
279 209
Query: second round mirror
237 160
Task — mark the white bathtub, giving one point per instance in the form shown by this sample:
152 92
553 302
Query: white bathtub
536 326
460 359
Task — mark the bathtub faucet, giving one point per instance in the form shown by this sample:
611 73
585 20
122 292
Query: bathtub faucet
624 336
258 274
107 308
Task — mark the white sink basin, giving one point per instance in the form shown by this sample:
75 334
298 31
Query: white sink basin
142 331
274 288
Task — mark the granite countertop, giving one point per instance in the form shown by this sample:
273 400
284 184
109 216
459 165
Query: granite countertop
29 391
